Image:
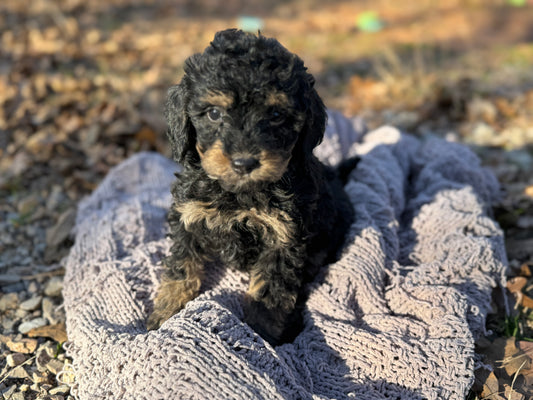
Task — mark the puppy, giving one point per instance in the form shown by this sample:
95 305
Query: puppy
243 122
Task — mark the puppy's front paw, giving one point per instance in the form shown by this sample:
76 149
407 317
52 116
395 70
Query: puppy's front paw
171 298
156 319
269 324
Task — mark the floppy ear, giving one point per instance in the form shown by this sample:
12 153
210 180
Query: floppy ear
181 132
315 120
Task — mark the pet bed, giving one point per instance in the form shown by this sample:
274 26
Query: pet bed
396 317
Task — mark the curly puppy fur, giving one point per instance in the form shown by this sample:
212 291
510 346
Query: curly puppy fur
243 123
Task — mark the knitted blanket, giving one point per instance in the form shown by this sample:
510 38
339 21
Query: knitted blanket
396 317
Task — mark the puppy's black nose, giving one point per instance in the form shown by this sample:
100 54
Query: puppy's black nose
244 165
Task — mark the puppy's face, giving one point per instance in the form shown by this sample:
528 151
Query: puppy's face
245 138
247 109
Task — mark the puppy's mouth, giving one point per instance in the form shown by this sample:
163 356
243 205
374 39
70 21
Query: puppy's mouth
240 171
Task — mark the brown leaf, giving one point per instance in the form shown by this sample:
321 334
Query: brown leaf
526 301
525 270
528 380
514 359
516 284
526 347
511 393
146 135
57 332
490 386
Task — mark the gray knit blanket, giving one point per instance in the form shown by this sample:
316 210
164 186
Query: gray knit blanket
396 317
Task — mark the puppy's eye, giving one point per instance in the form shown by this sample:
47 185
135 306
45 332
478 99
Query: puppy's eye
214 115
276 117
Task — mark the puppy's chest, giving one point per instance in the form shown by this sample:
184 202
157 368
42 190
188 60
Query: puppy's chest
237 228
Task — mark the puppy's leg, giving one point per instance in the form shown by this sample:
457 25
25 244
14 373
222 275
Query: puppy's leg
181 283
272 294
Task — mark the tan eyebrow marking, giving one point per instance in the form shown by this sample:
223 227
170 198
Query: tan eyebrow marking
217 98
277 99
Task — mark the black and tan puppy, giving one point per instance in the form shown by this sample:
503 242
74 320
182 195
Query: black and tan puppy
243 122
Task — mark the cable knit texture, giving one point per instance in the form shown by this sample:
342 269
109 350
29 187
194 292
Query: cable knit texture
396 317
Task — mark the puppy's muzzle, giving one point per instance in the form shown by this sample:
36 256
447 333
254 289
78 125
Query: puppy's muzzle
244 166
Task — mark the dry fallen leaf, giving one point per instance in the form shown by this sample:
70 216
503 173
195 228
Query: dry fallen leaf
525 270
528 381
526 301
514 359
490 386
516 284
511 393
57 332
146 135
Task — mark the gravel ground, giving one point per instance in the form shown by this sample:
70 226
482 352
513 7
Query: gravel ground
82 86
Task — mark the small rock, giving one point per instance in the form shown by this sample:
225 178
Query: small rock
39 378
25 346
20 313
31 304
36 388
49 347
15 359
41 145
48 310
7 393
482 134
18 373
55 198
28 204
8 301
7 324
62 389
17 396
46 387
42 359
33 287
61 230
482 109
25 327
54 286
20 163
54 366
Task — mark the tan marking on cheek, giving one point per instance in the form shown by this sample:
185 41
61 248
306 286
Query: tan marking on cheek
217 98
214 161
272 167
279 99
